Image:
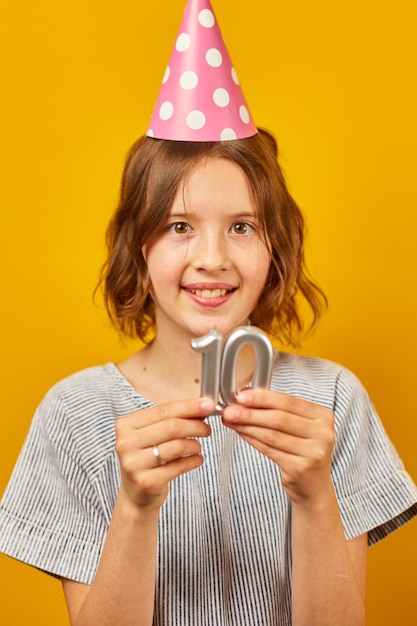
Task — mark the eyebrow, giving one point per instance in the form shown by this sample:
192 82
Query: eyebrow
235 215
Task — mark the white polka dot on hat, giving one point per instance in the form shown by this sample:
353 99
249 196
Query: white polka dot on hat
200 97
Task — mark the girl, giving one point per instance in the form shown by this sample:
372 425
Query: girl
151 508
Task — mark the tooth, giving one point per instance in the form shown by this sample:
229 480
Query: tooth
209 293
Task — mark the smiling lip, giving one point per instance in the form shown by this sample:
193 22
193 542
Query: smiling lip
211 295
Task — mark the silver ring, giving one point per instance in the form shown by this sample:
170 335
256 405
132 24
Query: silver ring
158 456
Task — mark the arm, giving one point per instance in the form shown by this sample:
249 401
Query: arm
124 587
328 577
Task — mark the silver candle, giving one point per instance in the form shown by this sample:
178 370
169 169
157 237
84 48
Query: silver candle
218 373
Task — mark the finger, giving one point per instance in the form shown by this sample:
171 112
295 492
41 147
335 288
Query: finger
195 408
173 450
145 487
154 480
134 439
313 441
172 430
284 445
267 439
267 399
237 416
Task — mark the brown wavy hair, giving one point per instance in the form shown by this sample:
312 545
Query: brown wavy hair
154 171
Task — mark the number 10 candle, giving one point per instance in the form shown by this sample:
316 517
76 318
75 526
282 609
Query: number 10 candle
218 373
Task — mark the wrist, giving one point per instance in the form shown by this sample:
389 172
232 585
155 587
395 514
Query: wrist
317 501
131 512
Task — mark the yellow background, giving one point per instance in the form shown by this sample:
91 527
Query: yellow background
335 80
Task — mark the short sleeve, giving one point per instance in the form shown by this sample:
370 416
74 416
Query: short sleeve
375 493
50 515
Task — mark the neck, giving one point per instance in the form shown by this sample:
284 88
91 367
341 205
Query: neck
174 361
165 371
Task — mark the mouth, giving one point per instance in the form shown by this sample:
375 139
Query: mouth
209 294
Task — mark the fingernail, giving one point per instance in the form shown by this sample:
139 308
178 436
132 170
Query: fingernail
207 404
231 413
242 397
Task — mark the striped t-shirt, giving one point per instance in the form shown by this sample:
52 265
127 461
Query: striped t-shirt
224 550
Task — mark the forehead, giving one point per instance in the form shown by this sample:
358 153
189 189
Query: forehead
215 182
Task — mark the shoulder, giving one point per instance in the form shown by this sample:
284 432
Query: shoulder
79 411
97 377
314 379
99 384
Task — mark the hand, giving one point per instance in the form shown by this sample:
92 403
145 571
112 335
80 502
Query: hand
296 434
172 427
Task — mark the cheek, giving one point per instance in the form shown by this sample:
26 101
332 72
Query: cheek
258 265
162 267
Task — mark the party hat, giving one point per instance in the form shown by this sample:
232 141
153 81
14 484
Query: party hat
200 98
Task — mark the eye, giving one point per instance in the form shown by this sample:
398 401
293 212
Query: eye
179 228
242 228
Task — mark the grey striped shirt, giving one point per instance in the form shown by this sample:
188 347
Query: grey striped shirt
225 529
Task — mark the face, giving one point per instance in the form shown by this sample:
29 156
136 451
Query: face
209 266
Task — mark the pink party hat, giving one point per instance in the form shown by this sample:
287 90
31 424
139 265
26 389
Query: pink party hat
200 98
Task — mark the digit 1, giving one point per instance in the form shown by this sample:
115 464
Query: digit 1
211 347
263 360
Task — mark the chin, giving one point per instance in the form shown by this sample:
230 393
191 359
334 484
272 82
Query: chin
224 327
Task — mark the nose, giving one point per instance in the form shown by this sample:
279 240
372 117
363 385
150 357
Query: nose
211 252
